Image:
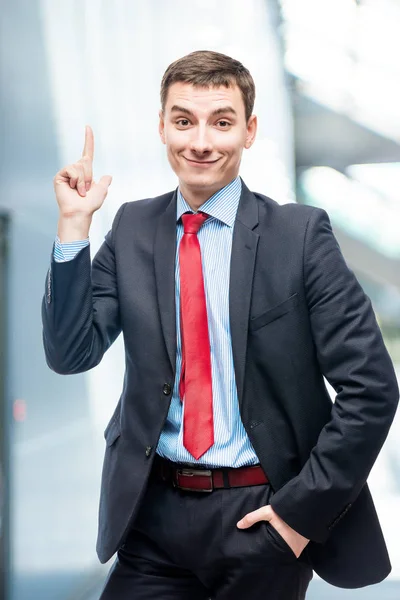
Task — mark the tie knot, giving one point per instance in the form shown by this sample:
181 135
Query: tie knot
192 222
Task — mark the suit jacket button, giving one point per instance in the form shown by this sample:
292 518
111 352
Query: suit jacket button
167 389
148 450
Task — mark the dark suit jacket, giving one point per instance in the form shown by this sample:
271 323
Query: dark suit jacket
297 312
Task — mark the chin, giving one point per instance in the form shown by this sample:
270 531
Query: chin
200 181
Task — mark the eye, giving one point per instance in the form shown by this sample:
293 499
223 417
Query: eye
225 123
183 122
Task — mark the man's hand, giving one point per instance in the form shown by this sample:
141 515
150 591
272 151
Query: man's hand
296 541
76 192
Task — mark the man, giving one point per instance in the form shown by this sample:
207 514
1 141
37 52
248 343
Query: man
228 472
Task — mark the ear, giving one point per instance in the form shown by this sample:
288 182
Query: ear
251 131
161 128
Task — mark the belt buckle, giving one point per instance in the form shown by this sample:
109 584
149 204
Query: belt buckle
190 473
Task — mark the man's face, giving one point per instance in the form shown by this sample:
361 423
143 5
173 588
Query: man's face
205 131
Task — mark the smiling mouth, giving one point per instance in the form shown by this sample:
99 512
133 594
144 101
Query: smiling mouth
201 162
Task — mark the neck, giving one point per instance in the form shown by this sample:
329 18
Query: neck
197 197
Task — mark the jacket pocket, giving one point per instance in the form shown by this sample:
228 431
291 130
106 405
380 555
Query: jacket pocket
274 313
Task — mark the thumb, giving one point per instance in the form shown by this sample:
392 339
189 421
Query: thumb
105 182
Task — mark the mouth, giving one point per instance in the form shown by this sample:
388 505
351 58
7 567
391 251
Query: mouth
201 163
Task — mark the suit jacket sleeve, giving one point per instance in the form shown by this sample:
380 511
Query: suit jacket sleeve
80 309
353 358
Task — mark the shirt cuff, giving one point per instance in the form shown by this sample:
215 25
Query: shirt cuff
68 250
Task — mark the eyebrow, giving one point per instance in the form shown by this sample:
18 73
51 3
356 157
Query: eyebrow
218 111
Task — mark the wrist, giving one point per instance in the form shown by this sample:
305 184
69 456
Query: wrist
73 228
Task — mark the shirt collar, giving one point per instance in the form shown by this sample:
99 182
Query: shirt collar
222 205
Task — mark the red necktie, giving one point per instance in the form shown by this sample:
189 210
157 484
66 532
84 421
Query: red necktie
195 386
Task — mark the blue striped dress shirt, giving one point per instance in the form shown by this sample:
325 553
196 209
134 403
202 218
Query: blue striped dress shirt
232 447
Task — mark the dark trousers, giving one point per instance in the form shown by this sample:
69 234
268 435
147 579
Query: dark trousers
185 545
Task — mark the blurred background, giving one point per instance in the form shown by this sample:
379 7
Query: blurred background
327 76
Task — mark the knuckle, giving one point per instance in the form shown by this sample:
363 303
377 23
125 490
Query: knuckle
88 175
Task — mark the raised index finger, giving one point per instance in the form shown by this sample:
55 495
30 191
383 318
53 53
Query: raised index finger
88 149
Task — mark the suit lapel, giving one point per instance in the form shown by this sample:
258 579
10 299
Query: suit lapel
244 250
164 264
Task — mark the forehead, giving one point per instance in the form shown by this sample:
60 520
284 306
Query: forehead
204 99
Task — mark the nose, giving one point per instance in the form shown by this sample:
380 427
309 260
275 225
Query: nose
200 143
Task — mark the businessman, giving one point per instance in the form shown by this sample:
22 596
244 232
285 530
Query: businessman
228 471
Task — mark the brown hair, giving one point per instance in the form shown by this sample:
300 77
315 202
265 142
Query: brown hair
205 68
